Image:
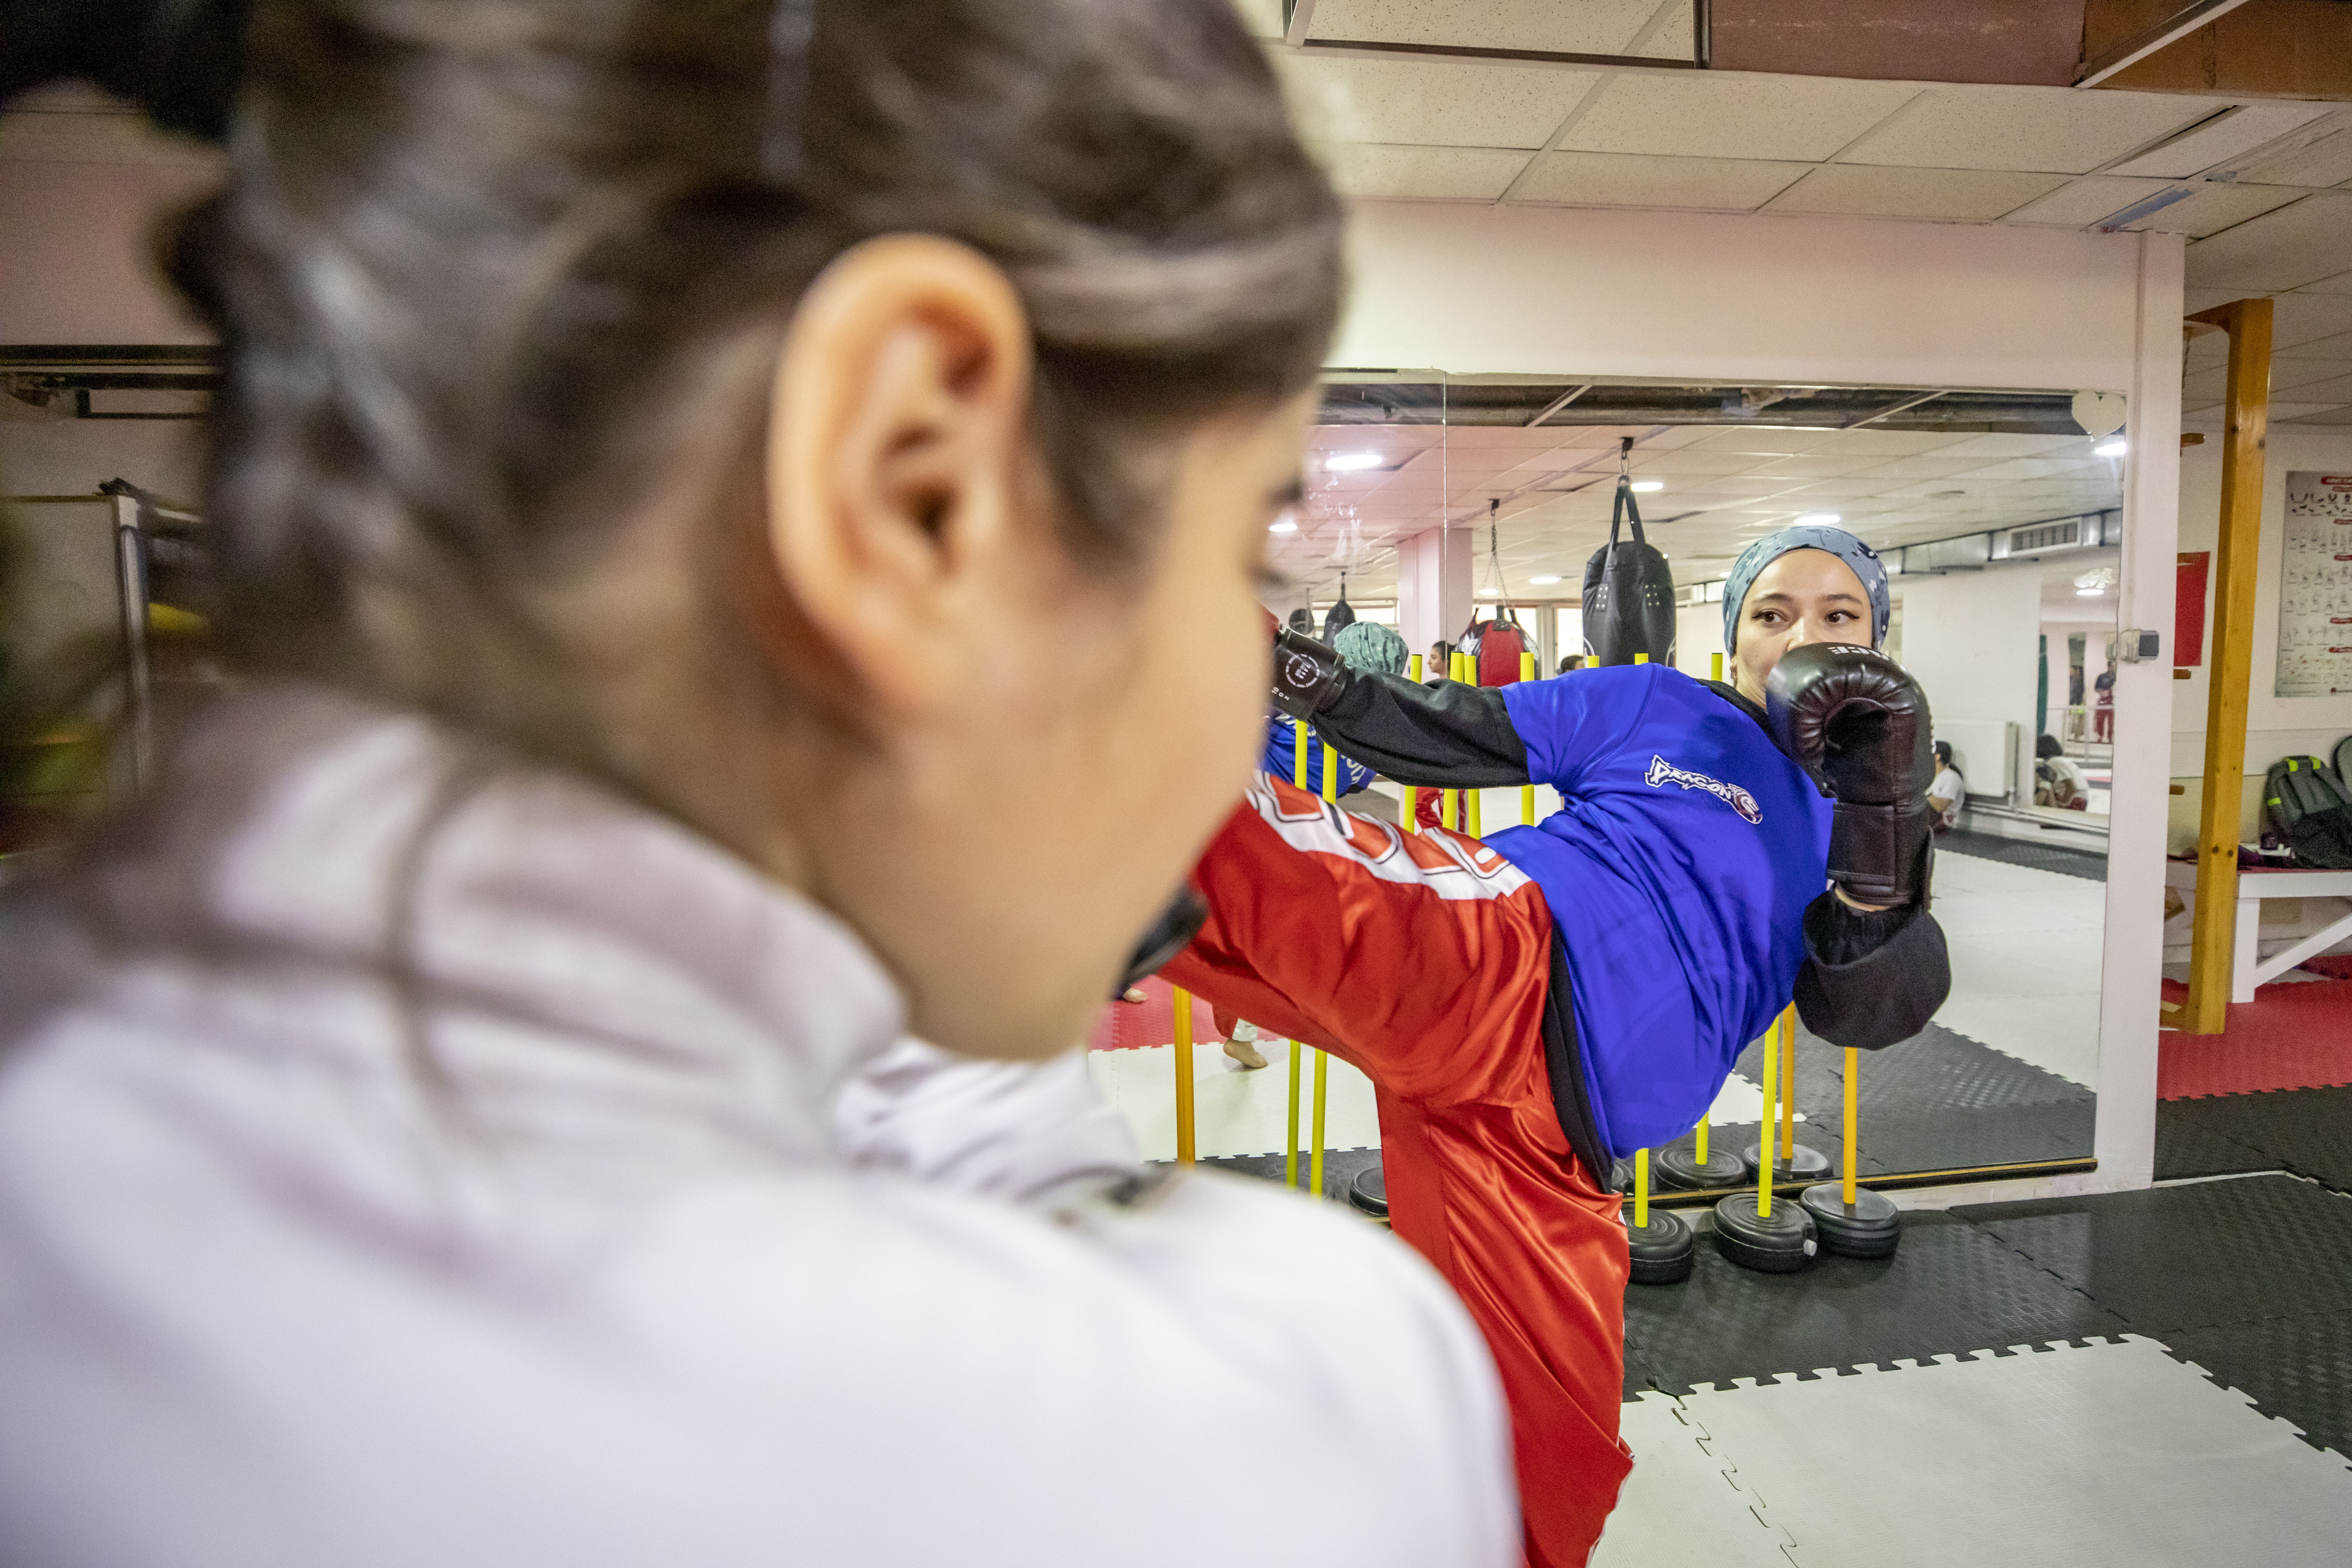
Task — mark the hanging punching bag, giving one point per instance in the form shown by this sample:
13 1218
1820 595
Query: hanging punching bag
1340 617
1629 592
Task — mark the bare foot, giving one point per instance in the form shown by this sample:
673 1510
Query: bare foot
1244 1052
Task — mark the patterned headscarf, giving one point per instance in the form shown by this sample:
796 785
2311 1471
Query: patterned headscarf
1807 536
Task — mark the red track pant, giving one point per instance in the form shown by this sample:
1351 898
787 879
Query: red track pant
1423 960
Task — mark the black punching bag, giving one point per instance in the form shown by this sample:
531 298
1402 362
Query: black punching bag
1629 592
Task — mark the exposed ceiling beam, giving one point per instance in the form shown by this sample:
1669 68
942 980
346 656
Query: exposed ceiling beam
2139 46
1302 16
1557 404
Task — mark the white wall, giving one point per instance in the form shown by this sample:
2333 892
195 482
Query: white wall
1971 640
2275 726
1698 635
1432 587
1473 289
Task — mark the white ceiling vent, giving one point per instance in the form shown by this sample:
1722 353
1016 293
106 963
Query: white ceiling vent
2041 538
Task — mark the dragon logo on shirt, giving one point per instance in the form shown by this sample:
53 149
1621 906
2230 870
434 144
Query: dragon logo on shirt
1663 773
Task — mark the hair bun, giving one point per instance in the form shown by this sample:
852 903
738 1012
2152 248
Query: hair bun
177 59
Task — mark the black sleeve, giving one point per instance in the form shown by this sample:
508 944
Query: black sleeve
1871 977
1451 736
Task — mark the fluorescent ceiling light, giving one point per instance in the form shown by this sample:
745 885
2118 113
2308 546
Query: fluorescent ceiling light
1646 486
1282 525
1489 593
2089 592
1817 517
1347 462
1546 581
2113 449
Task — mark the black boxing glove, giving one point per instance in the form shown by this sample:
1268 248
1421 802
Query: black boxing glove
1859 724
1309 676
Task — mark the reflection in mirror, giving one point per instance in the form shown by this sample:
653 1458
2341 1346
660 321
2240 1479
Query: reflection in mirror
1444 503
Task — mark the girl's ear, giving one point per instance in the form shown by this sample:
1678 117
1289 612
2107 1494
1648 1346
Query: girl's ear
896 445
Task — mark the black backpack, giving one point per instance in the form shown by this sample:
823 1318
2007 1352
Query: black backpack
2311 810
2343 758
1629 592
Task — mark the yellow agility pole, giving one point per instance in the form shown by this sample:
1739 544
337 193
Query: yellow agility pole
1183 1077
1412 797
1642 1189
1528 790
1698 1140
1788 1086
1322 1074
1771 1097
1298 733
1456 801
1715 666
1853 1067
1290 1144
1641 659
1330 772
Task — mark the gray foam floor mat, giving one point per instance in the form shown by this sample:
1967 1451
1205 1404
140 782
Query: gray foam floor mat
2306 1130
2175 1259
2297 1368
1339 1168
1951 1286
2024 852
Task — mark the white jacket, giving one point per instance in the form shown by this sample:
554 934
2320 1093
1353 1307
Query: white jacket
405 1162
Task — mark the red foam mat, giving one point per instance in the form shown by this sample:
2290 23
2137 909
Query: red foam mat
1128 1026
2295 1035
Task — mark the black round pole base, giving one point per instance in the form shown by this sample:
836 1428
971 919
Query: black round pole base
1871 1228
1804 1165
1369 1192
1781 1244
1621 1176
1663 1250
1685 1171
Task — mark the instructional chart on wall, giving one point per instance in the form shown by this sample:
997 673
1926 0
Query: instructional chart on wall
2316 587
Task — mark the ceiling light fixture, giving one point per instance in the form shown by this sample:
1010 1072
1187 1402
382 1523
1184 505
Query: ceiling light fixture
1282 525
1645 487
2089 592
2113 449
1348 462
1490 592
1822 517
1546 581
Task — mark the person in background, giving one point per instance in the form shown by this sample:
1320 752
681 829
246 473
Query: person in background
1946 791
2103 716
2058 779
1573 661
1435 669
568 1063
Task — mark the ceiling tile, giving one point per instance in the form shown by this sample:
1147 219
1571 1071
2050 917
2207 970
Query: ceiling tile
1671 36
2337 347
2326 161
2203 386
1437 102
1728 114
2084 202
1830 463
1585 27
2298 319
1629 180
2213 206
1955 194
2300 372
2324 416
1693 460
2050 128
2336 390
2339 284
1906 469
1264 18
2223 138
1426 173
2301 243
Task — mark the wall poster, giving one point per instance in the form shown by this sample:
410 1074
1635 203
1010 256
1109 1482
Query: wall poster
2314 655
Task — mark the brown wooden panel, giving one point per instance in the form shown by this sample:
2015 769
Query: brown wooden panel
2264 49
2025 41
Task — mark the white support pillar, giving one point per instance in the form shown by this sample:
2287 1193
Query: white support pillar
2128 987
1432 587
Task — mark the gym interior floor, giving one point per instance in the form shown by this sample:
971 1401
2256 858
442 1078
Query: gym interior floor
2153 1377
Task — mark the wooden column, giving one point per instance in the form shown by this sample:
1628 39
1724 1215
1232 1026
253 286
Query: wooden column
2248 323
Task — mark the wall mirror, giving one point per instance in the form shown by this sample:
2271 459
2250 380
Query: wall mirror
1462 498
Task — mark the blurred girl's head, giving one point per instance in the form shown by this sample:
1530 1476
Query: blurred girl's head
859 449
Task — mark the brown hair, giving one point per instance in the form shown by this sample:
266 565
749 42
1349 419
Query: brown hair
494 274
